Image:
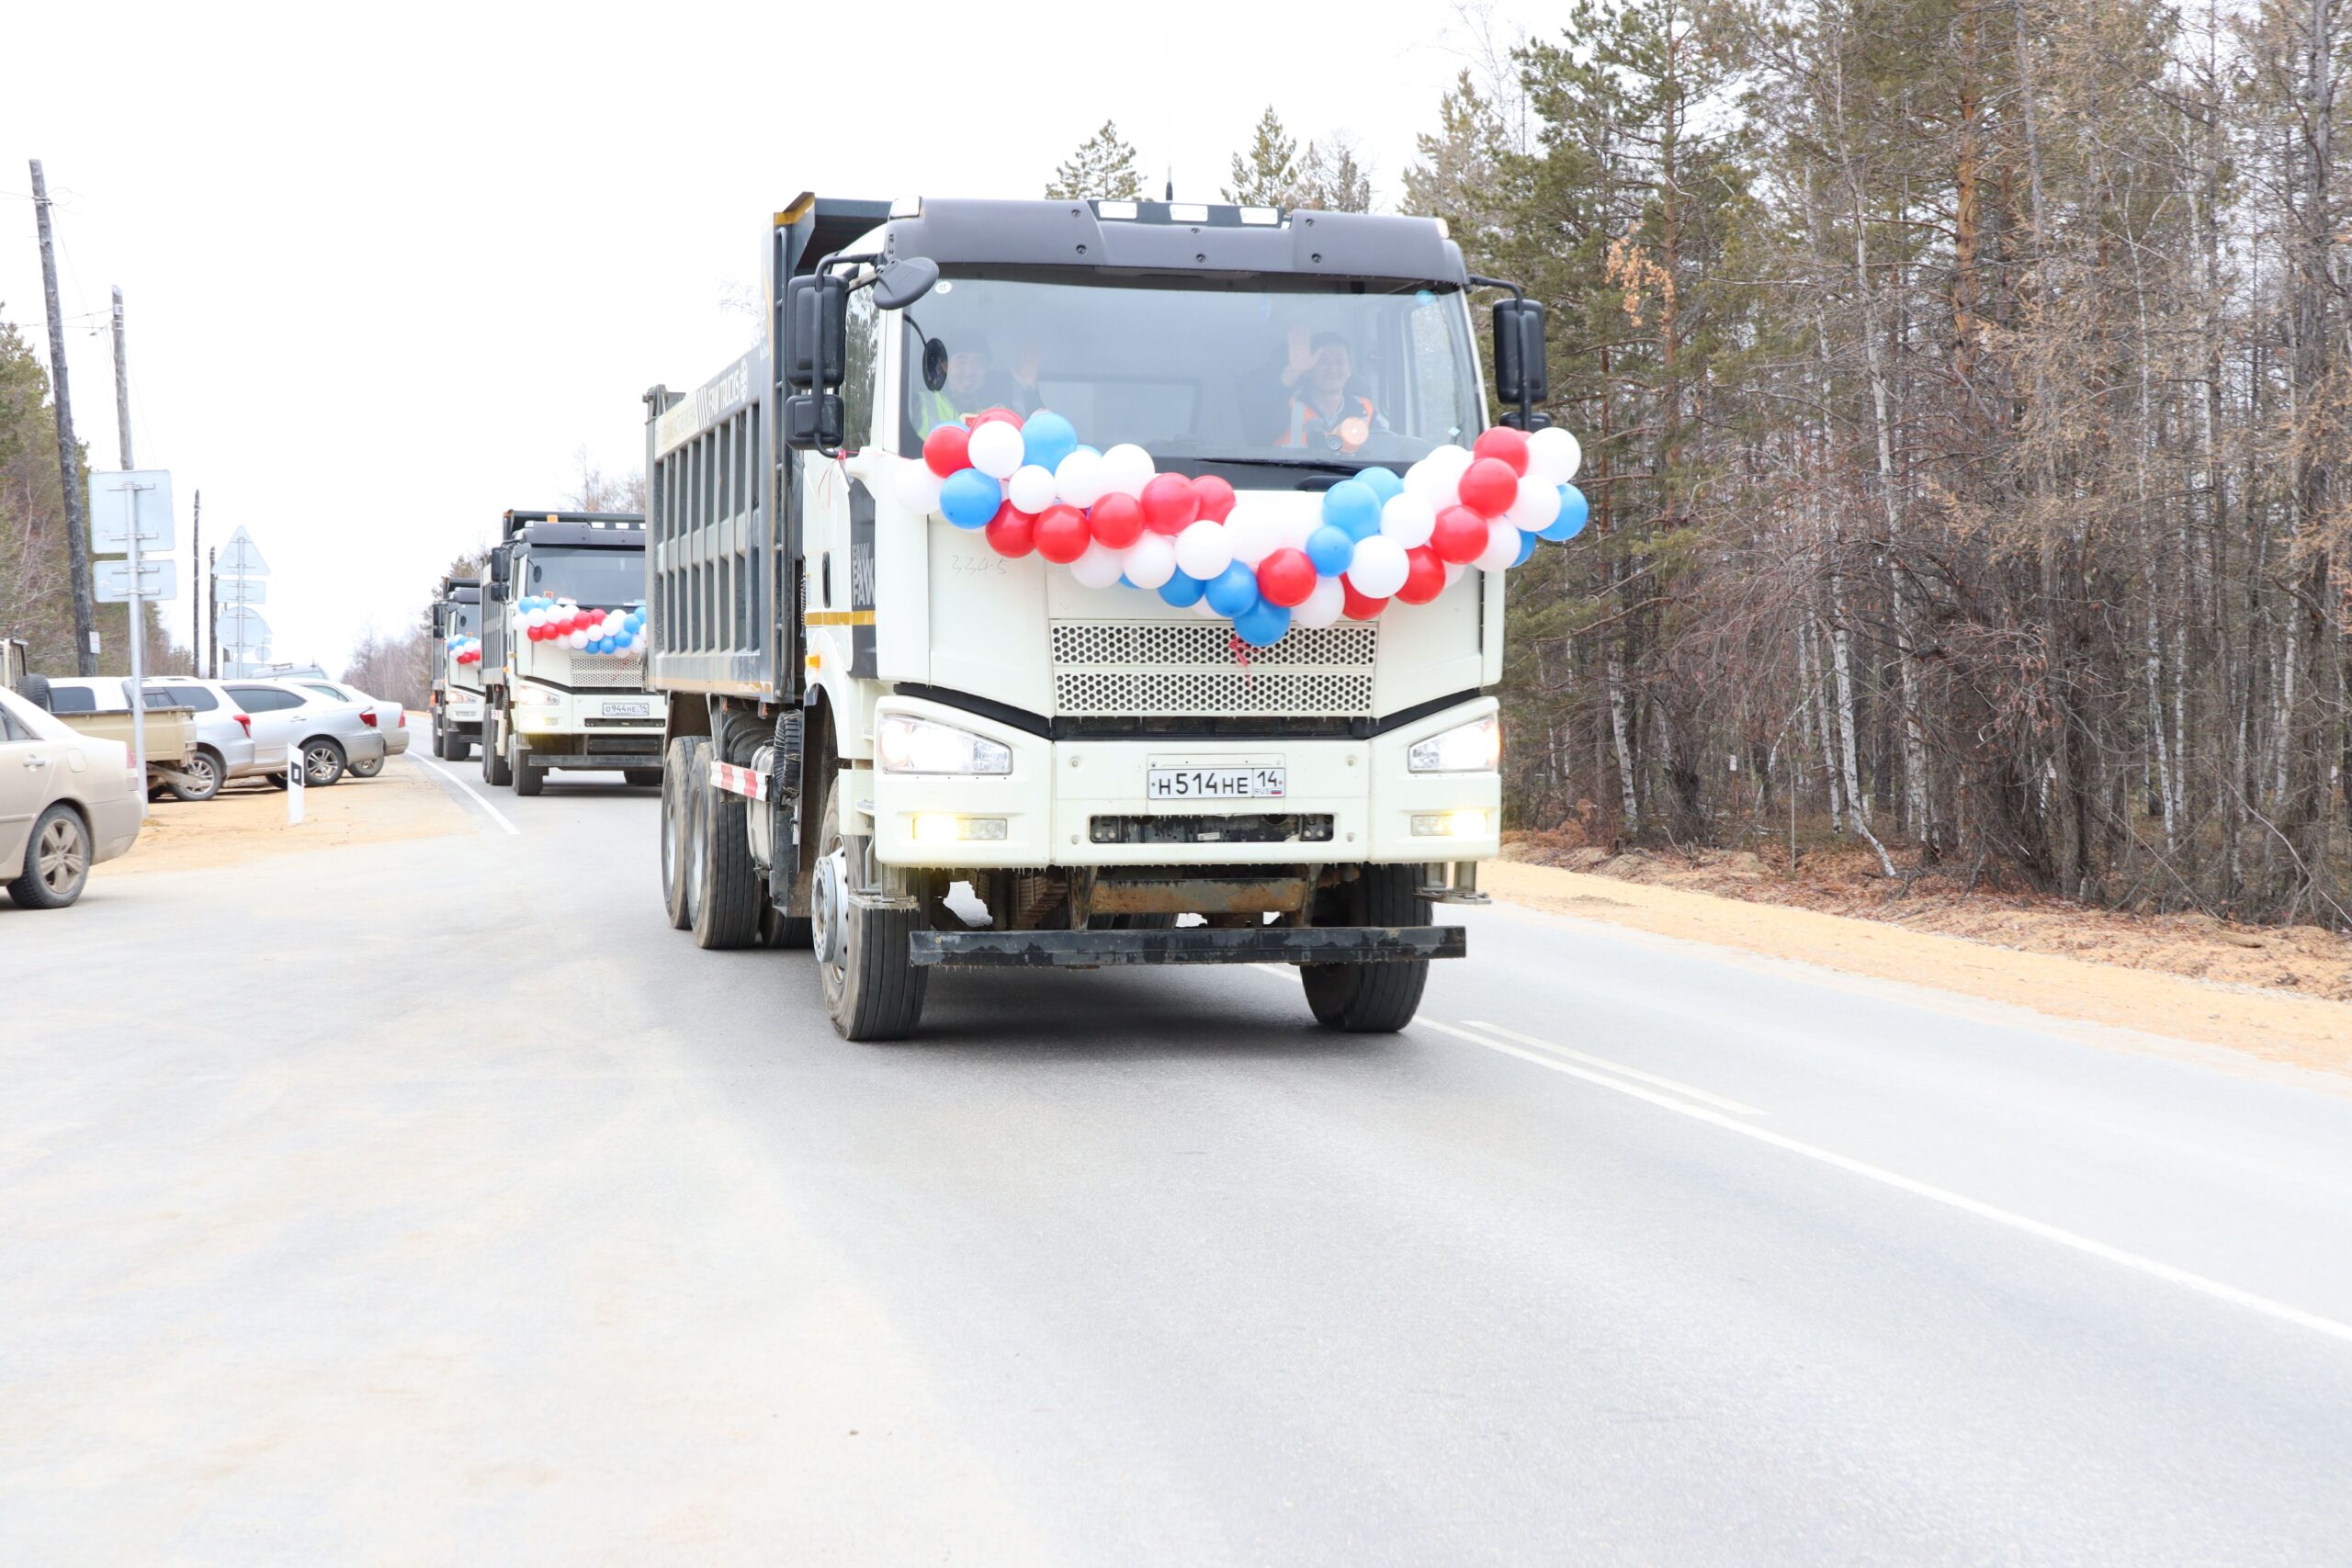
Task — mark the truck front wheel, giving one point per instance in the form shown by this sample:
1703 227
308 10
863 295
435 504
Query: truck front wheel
1368 999
494 770
874 991
529 776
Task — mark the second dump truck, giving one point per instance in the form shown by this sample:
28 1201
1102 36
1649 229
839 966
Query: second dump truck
456 668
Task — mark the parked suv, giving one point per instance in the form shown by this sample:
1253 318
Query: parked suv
327 733
389 719
224 733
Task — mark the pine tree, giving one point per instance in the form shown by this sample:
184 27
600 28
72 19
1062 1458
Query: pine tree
1333 181
1266 175
1103 169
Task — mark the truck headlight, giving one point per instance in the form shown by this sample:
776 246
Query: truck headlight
1473 747
905 745
536 696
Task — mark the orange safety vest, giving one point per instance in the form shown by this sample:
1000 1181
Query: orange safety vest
1300 413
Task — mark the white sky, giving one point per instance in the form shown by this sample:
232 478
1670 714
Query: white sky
386 270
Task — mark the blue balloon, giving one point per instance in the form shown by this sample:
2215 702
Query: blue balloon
1353 507
1574 509
1383 483
1233 591
1262 624
1331 550
1126 581
969 497
1526 547
1182 591
1047 438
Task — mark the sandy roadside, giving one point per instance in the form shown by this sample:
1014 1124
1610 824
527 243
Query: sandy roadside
2305 1031
248 818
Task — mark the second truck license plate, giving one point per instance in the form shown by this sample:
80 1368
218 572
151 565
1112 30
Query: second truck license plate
1213 784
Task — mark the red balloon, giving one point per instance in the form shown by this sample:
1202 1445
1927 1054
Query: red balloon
1358 607
1117 519
597 617
531 632
947 448
1004 414
1488 487
1012 532
1424 575
1505 446
1062 535
1169 503
1460 535
1216 497
1285 578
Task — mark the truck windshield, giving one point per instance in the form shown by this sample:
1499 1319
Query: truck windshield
1234 371
595 578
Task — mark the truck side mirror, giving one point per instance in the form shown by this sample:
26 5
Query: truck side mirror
903 282
814 422
816 319
1522 372
499 567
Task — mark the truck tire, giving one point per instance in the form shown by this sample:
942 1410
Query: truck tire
200 779
680 766
57 860
1368 999
874 991
323 761
728 888
529 776
34 689
494 760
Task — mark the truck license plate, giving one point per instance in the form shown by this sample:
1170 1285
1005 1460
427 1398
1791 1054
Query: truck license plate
1213 784
628 710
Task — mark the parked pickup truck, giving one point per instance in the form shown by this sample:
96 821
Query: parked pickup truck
171 743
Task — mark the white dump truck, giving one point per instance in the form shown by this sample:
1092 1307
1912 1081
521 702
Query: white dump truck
908 732
558 689
456 668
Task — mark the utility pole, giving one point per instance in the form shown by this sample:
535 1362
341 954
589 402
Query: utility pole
121 386
77 530
212 610
196 589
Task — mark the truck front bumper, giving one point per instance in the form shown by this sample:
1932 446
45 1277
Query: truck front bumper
1087 803
1191 944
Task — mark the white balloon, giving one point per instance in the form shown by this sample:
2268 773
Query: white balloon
1151 560
1256 531
1031 488
1380 566
1295 530
1323 606
1553 455
916 488
1129 469
1204 549
1099 567
1408 519
536 618
1453 570
1447 463
578 639
995 449
1538 504
1502 548
1080 479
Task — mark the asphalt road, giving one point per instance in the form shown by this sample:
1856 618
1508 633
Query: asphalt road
433 1202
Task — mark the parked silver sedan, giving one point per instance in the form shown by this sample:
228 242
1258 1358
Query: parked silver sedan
67 801
326 734
389 719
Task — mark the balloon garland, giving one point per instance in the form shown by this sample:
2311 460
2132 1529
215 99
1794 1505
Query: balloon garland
563 621
465 649
1111 517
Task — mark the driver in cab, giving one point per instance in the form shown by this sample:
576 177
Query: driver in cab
1326 411
973 386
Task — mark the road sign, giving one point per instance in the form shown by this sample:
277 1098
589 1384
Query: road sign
241 557
117 499
242 628
159 578
240 591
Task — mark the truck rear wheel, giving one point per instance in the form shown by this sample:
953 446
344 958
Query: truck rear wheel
493 760
728 885
1368 999
874 991
679 768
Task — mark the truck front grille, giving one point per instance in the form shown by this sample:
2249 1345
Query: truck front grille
608 671
1144 668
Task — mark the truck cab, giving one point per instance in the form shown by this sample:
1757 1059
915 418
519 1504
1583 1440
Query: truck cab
456 668
946 754
553 695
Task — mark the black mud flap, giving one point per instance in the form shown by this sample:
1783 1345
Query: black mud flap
1198 944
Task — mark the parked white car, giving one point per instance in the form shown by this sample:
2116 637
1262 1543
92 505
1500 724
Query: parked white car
328 734
67 801
391 720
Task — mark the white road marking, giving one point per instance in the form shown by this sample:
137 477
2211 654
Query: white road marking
2215 1289
1620 1069
495 815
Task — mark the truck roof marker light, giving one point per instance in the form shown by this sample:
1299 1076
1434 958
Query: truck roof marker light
1261 215
1114 209
906 206
1187 212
